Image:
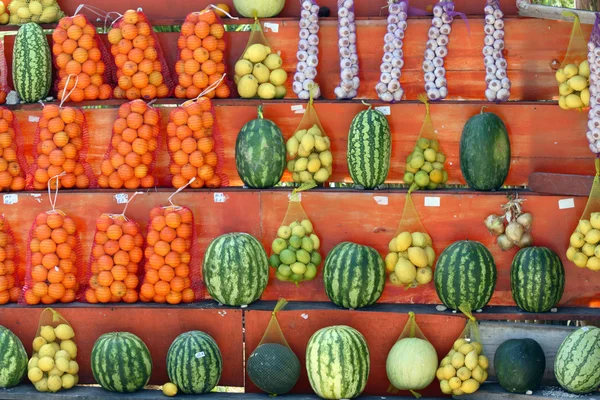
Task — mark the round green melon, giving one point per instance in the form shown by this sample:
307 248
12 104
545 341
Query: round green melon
338 362
353 275
411 364
258 8
194 362
465 274
537 279
121 362
577 363
274 368
235 269
13 359
519 365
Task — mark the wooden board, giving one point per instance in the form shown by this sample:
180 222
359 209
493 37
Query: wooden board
563 184
157 327
493 391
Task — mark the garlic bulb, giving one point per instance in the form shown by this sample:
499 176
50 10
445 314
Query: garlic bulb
308 50
392 62
593 134
437 50
494 60
348 87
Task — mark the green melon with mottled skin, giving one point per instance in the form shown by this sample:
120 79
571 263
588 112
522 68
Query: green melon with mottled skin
235 269
13 359
32 63
577 363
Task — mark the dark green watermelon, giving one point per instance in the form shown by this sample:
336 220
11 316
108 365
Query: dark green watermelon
274 368
519 365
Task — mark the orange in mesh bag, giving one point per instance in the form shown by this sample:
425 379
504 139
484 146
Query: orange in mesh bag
54 267
53 364
13 163
574 71
134 146
10 288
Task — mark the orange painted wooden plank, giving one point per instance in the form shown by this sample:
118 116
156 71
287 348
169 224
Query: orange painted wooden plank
157 327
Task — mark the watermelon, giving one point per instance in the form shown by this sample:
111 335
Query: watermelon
274 368
194 362
338 362
484 152
537 279
519 365
13 359
369 148
121 362
236 269
260 153
353 275
577 363
32 63
465 275
411 364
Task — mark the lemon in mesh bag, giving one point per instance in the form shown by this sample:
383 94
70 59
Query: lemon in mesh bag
39 11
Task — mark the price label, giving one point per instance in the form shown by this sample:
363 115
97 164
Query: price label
566 203
11 198
272 26
381 200
220 197
121 198
297 107
33 118
432 201
385 110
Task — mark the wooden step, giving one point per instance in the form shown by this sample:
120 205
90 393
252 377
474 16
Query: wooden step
493 391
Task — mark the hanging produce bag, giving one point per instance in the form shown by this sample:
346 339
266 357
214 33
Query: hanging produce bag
61 145
142 71
309 150
347 44
201 62
259 72
586 238
10 288
13 164
498 84
54 268
574 71
465 366
273 366
53 365
411 256
172 269
389 88
4 88
308 52
295 251
41 12
593 132
134 147
195 144
425 165
412 349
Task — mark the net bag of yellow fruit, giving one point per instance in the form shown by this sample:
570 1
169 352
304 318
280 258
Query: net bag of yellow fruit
295 251
465 366
425 165
309 149
53 367
259 72
39 11
411 256
584 244
574 72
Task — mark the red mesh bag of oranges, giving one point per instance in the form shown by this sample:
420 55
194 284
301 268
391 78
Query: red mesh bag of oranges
10 289
54 268
78 50
131 157
13 165
195 145
141 68
61 144
201 56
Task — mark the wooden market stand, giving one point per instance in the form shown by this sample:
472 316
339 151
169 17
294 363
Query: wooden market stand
543 139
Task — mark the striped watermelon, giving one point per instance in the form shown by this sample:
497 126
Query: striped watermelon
32 63
260 153
353 275
13 359
338 362
465 274
369 148
194 362
274 368
577 363
537 279
236 269
121 362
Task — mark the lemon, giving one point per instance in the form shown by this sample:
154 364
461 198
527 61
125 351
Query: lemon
565 89
427 167
439 373
38 342
308 142
257 53
41 385
469 386
458 360
247 86
169 389
478 348
584 226
46 364
73 367
403 241
33 362
418 257
440 158
298 268
585 96
436 176
463 373
595 220
278 77
593 236
326 158
577 240
593 263
571 252
466 348
314 166
47 332
390 261
472 360
316 241
570 71
445 361
423 143
580 259
454 383
588 249
54 383
299 231
261 73
405 271
2 8
266 91
424 275
243 67
321 175
307 225
280 92
560 76
422 178
35 8
430 155
418 240
484 362
47 350
35 374
417 162
562 103
320 144
458 343
430 255
284 232
449 372
68 381
409 178
478 374
273 61
24 13
578 83
445 386
584 69
70 348
4 18
574 101
62 364
55 371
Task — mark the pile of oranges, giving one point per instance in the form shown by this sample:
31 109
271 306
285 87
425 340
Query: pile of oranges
192 145
116 256
9 261
168 255
77 51
53 260
133 148
59 146
140 73
12 176
201 54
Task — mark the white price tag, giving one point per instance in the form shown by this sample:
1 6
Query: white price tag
200 354
121 198
11 198
385 110
432 201
33 118
297 107
272 26
566 203
381 200
220 197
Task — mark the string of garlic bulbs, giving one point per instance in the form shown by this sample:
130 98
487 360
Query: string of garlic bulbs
593 133
349 84
308 52
436 51
498 84
389 88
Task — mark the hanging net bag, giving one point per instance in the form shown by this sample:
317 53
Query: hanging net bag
574 71
10 288
12 160
40 12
